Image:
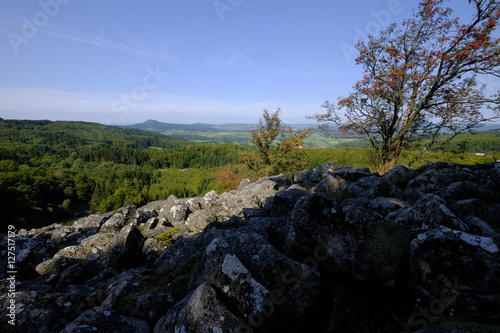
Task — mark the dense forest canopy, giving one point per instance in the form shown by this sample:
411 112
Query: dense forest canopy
50 171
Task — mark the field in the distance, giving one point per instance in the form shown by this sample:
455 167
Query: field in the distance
240 134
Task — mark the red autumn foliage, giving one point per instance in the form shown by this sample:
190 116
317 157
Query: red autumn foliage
421 80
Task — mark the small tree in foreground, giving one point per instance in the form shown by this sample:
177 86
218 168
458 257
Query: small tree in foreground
278 147
278 151
422 80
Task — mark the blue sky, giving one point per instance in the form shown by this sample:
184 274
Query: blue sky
189 61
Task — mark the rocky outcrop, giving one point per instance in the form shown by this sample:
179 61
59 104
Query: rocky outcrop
325 250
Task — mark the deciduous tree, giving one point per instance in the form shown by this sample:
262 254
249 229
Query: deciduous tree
278 146
422 79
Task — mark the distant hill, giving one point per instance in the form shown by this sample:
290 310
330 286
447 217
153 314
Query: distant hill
159 127
79 133
489 127
206 133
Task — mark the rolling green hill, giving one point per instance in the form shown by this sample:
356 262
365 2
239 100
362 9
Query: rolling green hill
50 171
77 133
485 138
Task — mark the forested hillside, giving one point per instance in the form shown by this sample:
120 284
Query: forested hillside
51 170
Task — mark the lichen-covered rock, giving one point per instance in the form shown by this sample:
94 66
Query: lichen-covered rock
124 216
194 204
145 215
429 212
126 251
91 222
282 203
54 264
457 272
312 176
29 253
351 174
372 187
356 244
252 196
198 220
201 311
174 210
330 185
152 250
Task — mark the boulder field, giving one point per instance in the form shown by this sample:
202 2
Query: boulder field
324 250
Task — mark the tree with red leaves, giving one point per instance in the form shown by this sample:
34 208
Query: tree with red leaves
421 80
278 147
278 151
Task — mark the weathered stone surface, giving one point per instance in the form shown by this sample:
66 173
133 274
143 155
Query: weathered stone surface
351 174
283 202
124 216
356 245
457 270
429 212
198 220
174 210
329 185
399 176
252 196
201 311
101 320
194 204
209 199
126 251
150 224
29 253
152 250
325 250
145 215
310 177
372 187
54 264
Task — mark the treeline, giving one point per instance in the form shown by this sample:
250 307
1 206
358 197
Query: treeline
51 186
51 171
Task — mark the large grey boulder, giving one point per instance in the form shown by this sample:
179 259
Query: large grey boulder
126 251
356 244
174 210
252 196
428 212
456 270
198 220
201 311
257 279
124 216
152 250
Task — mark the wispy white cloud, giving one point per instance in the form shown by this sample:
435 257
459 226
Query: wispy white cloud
132 46
128 44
